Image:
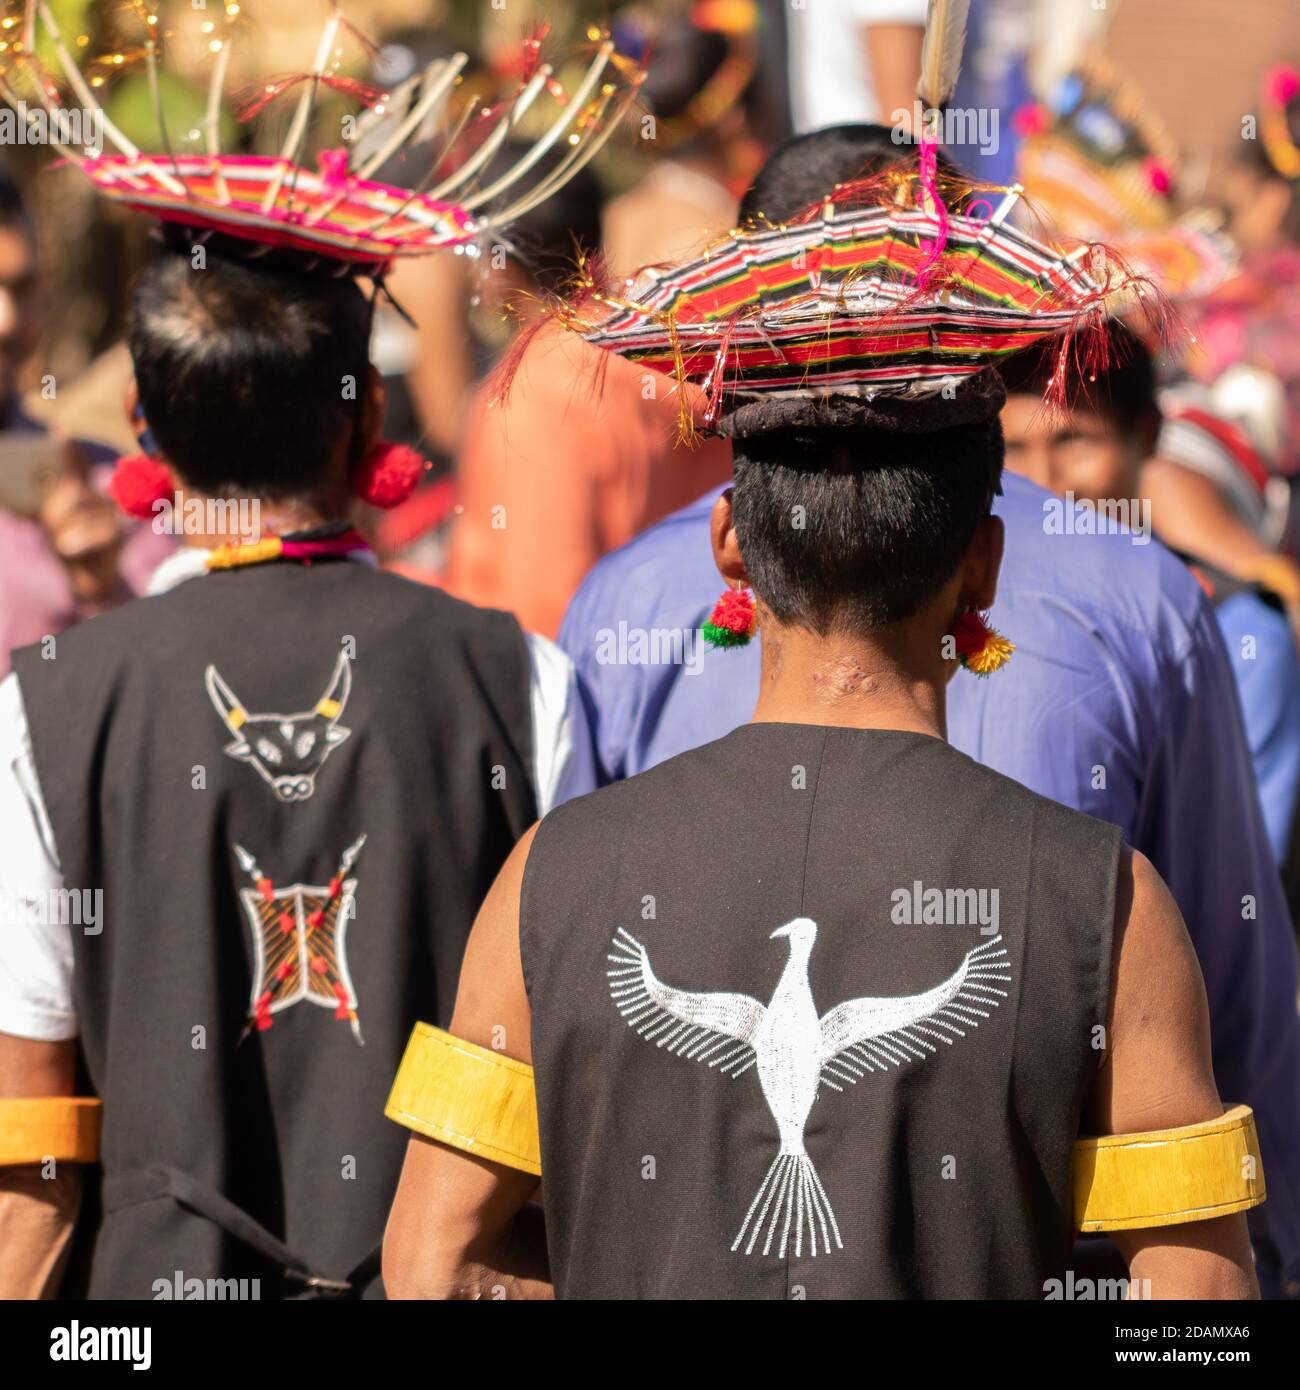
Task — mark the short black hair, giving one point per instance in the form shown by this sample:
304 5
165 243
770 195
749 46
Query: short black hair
852 530
243 371
805 170
1124 391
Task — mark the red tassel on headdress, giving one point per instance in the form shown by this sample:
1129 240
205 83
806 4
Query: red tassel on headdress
732 623
139 482
387 475
255 100
938 209
981 649
333 165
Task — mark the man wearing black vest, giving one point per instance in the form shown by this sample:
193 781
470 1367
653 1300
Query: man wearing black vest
821 1009
768 1053
275 793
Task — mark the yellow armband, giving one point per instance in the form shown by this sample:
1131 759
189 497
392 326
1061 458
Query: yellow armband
1165 1177
65 1128
464 1095
479 1101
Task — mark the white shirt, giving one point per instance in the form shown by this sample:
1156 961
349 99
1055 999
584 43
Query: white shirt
36 964
830 80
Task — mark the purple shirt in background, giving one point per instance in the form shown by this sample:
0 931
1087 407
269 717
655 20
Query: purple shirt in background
36 598
1119 702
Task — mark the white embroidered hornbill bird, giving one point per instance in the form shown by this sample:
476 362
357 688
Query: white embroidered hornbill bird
795 1052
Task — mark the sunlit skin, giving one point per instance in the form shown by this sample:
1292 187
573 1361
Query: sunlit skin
21 303
81 525
1076 451
1257 208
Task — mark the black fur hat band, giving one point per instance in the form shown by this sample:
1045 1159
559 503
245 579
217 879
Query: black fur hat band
971 400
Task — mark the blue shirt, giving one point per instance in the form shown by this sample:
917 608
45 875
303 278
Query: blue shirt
1119 701
1262 650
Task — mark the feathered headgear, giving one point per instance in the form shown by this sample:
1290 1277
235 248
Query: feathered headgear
335 213
893 293
873 295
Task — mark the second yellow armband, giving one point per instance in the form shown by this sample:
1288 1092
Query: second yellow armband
470 1098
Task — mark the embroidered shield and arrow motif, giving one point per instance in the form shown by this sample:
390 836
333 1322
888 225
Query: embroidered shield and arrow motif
300 943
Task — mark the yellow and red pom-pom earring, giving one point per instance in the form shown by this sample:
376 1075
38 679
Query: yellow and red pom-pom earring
980 648
731 624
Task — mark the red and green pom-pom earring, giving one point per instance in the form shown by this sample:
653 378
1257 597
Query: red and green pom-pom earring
980 648
731 624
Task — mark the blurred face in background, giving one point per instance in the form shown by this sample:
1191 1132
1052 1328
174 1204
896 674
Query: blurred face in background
1257 207
1076 451
20 302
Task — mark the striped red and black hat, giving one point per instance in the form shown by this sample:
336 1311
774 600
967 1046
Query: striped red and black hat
897 304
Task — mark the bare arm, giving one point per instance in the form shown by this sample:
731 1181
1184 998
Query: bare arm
1194 517
529 472
434 291
893 56
1157 1075
462 1227
37 1209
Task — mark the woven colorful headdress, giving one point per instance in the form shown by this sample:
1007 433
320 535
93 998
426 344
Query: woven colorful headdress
895 292
337 211
886 292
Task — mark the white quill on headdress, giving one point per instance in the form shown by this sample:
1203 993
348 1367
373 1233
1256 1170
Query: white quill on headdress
945 36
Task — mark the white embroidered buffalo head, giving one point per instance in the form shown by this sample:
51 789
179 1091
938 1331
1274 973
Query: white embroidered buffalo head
287 750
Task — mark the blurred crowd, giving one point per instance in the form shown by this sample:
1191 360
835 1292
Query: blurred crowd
1212 425
545 454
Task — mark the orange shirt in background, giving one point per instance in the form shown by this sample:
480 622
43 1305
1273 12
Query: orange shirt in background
578 459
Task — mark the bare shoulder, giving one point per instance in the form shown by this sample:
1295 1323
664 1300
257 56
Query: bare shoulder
492 1002
1157 1072
1154 957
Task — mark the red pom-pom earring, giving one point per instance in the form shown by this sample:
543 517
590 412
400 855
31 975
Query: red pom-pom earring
732 622
387 475
980 648
138 483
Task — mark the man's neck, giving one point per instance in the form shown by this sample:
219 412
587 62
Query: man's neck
255 518
852 682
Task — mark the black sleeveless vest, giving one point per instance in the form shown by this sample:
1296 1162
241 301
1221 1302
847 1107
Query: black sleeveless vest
815 1014
294 785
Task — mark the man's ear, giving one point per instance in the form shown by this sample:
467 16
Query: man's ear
371 422
131 404
983 560
140 426
726 548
